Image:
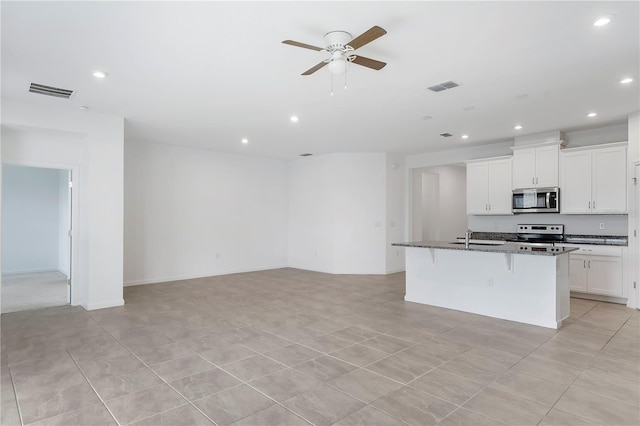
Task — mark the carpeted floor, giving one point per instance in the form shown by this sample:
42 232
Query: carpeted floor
33 291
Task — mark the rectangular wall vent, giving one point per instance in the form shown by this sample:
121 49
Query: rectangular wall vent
443 86
446 135
57 92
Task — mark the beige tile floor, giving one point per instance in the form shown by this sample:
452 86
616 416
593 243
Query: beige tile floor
291 347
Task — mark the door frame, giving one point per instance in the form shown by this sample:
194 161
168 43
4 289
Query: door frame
76 292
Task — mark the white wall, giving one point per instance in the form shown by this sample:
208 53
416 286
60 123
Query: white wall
396 211
30 203
337 213
194 213
445 216
92 144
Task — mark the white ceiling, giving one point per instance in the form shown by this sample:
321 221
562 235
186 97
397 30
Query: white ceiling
207 74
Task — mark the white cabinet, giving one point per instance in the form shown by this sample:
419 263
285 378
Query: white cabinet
596 270
535 167
593 180
489 187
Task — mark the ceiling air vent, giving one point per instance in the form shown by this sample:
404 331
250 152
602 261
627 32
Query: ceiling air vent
443 86
446 135
57 92
306 155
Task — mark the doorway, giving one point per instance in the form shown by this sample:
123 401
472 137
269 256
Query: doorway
439 202
36 237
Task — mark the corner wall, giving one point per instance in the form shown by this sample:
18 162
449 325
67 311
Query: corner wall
193 213
91 143
337 213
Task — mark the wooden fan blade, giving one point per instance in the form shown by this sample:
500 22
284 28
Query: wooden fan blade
369 63
367 37
314 69
306 46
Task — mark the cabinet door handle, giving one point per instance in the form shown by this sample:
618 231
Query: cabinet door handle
533 180
489 206
486 207
584 263
589 264
536 181
594 204
589 204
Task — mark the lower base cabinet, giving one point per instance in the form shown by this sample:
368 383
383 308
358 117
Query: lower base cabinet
596 271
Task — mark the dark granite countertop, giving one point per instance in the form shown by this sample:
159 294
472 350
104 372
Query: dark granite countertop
508 248
604 240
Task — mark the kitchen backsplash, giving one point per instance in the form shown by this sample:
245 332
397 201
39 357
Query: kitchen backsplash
573 224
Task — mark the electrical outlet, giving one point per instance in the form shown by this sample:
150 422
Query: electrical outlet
490 282
397 252
217 255
601 225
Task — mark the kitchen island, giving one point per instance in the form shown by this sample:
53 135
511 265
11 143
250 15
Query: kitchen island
512 281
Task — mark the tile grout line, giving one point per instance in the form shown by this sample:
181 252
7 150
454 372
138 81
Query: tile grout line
15 394
92 388
161 378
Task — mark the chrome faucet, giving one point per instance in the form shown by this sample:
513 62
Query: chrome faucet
467 237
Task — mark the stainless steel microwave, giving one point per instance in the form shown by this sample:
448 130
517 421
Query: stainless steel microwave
536 200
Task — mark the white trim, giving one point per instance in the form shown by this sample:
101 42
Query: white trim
599 298
600 146
480 160
102 305
30 271
195 276
394 271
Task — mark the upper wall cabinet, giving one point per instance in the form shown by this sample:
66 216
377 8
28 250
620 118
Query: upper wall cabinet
489 187
535 167
593 180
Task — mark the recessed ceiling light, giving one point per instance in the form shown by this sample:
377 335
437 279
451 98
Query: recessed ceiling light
100 74
426 117
245 140
517 127
294 119
465 136
626 80
592 114
603 20
82 107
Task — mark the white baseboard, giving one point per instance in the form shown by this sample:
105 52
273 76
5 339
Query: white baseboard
29 271
102 305
194 276
394 271
597 297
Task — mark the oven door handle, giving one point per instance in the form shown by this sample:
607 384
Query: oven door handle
548 200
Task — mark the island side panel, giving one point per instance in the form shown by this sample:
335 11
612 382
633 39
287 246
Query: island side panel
563 293
515 287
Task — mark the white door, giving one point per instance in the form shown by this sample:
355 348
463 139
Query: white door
524 168
578 273
575 187
477 188
609 189
547 166
500 192
605 275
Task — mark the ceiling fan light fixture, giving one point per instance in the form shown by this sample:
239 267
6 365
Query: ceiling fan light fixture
337 66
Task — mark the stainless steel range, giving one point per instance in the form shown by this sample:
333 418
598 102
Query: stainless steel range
539 237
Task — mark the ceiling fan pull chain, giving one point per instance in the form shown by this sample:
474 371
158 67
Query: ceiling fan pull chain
331 84
346 67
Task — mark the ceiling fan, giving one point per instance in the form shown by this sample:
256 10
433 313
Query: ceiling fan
341 45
